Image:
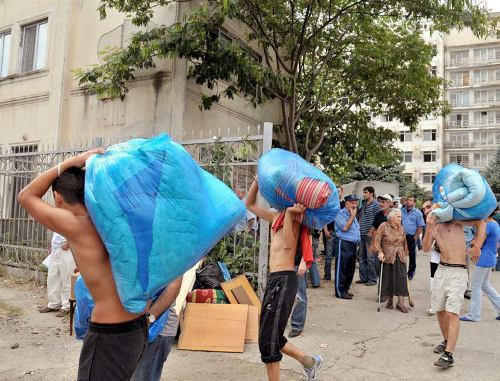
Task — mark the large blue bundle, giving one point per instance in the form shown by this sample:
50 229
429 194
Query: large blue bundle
157 212
462 194
85 305
285 178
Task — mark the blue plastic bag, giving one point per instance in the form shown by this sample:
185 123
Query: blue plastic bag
157 212
285 178
85 305
462 194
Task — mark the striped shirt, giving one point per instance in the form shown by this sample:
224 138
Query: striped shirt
366 215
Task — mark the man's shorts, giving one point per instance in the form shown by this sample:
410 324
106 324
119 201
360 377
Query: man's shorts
112 351
448 289
277 305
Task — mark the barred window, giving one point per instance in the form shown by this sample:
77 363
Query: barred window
34 46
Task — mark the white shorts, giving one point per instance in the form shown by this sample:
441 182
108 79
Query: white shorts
448 289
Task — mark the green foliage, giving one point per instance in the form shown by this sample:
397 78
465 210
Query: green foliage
492 175
329 64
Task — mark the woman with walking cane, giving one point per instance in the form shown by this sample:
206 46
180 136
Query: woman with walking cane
392 249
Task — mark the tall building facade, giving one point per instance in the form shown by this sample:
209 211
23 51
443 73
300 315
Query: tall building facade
472 130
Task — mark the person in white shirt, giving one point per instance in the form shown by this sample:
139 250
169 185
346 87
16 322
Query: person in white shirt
61 265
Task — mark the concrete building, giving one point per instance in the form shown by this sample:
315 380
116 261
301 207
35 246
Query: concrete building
422 148
472 130
42 41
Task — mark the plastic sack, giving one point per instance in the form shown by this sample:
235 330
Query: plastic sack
210 276
462 194
285 178
85 305
157 212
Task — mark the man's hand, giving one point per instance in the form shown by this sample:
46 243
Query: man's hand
381 256
475 252
65 246
431 220
80 159
353 211
301 271
296 208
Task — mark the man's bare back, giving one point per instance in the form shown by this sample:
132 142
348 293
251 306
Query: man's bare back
71 220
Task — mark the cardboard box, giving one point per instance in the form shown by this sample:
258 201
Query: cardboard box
214 327
252 332
239 291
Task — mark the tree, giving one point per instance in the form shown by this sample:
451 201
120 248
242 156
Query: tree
391 173
329 63
492 175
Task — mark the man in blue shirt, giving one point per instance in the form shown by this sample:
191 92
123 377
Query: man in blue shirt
348 234
413 222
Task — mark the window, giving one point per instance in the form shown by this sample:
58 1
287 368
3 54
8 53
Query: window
430 135
483 76
459 99
405 136
34 46
486 97
434 70
481 138
428 178
482 159
408 177
459 120
460 57
460 79
386 118
460 158
26 165
429 156
407 157
4 53
5 39
484 117
459 140
487 55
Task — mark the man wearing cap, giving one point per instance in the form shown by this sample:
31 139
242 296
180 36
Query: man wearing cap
348 234
366 215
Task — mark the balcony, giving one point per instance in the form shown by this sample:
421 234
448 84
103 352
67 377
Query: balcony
473 125
470 145
466 62
462 61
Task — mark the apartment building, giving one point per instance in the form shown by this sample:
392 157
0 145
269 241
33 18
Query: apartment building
41 102
421 149
472 130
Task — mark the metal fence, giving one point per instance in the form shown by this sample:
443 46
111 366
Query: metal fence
24 242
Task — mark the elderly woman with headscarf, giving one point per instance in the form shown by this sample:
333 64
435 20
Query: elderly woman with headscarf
392 249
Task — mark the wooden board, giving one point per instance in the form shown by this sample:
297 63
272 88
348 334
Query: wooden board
188 280
74 277
239 291
252 332
214 327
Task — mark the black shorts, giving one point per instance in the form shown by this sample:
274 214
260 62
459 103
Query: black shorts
281 289
112 351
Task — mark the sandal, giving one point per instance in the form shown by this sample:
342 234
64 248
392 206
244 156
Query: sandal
389 304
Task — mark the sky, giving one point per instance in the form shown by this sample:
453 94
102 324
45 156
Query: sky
493 4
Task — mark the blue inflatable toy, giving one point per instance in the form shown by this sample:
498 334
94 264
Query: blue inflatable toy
85 305
157 212
285 178
462 194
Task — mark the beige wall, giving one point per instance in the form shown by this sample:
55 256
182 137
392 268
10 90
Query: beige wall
49 107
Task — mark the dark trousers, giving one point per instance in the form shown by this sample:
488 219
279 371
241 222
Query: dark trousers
345 266
410 240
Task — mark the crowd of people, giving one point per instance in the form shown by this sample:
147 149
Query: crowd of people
383 237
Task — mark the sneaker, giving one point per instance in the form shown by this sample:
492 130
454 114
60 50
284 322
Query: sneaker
431 312
46 309
467 294
360 281
498 317
440 348
62 313
445 361
370 283
466 318
312 373
294 333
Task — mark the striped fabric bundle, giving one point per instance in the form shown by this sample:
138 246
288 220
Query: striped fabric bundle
285 178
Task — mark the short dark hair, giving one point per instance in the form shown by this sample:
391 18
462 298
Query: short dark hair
70 185
369 189
413 196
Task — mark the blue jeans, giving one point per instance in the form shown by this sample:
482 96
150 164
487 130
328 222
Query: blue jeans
480 283
313 270
300 309
329 254
368 266
498 261
151 363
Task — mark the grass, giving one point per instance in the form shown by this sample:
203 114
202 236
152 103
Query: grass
9 309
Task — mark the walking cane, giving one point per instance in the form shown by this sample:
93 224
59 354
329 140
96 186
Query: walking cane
410 299
380 285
